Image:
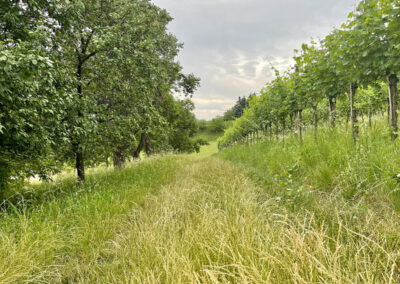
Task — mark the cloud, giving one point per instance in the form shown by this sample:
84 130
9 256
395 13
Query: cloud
231 44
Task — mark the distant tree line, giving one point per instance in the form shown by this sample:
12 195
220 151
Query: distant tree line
238 109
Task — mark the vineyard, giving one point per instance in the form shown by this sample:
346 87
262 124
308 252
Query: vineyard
351 73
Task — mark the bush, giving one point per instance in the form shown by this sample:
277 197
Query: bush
217 125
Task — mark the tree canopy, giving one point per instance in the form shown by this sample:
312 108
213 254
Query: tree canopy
84 81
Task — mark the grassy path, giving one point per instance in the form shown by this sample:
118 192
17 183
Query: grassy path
193 231
188 219
214 225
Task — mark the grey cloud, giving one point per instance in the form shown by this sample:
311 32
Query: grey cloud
230 44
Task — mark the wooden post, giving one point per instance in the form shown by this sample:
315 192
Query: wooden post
393 80
353 112
301 126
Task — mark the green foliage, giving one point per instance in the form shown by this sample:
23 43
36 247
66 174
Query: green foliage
202 125
238 109
359 55
182 125
33 100
330 165
85 80
216 125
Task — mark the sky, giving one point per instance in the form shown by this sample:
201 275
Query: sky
232 44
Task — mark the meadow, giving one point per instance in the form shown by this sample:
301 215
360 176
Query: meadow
322 212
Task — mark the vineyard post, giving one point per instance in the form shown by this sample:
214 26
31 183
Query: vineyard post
393 80
291 122
270 131
301 126
353 112
315 108
332 111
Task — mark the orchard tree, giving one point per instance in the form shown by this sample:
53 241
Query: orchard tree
123 59
32 103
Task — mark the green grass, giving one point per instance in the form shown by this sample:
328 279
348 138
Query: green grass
211 138
324 212
56 232
342 197
208 135
332 164
207 150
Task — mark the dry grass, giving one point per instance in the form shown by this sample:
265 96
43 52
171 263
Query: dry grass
204 221
209 227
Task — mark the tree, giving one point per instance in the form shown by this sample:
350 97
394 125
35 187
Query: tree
124 63
33 98
181 123
103 71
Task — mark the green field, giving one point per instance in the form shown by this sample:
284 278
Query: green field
271 212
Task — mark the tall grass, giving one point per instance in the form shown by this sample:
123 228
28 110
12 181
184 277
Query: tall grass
368 171
209 226
219 231
346 194
53 232
324 212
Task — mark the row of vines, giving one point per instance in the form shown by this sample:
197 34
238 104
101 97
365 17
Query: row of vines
351 73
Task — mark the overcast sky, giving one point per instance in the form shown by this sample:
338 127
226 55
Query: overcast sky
231 44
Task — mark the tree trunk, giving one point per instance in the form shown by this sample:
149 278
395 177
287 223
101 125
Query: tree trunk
142 142
149 146
283 129
353 111
82 58
79 164
79 159
118 160
263 130
332 111
393 80
277 130
388 111
315 109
